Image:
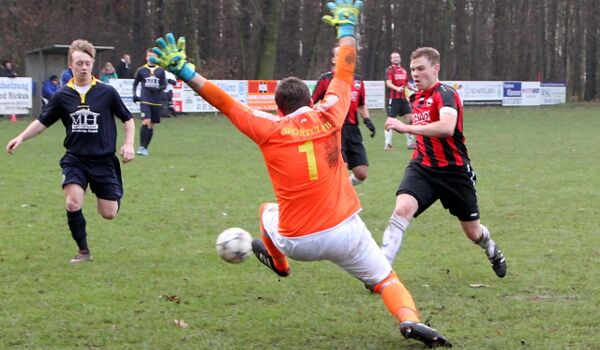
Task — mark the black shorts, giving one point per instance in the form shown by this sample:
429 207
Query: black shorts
454 186
398 107
152 112
103 173
353 151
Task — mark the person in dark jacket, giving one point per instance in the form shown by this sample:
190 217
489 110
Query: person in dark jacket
124 70
7 70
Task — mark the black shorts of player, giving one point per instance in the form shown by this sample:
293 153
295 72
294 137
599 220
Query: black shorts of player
151 111
454 186
353 151
398 107
102 173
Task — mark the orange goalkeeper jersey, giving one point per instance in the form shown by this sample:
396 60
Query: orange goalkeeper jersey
302 153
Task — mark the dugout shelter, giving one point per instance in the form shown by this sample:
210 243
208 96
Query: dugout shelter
43 62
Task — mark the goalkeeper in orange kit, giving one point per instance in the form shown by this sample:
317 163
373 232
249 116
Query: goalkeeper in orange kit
316 216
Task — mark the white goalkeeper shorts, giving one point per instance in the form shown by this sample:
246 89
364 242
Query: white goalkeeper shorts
348 245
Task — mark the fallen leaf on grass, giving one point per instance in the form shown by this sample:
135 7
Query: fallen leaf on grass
181 324
174 298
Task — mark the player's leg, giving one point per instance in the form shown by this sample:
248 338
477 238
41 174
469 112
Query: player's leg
406 112
74 196
144 133
393 111
360 256
74 184
154 119
480 235
406 207
411 141
359 174
106 183
264 249
414 196
459 195
388 135
355 155
108 209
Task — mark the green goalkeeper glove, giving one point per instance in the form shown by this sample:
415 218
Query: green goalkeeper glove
172 57
345 16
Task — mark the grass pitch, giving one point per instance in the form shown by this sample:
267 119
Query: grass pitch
539 189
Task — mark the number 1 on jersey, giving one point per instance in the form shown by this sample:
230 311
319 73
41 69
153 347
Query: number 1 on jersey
309 149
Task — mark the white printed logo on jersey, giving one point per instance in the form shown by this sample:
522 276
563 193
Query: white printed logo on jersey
421 118
84 121
152 82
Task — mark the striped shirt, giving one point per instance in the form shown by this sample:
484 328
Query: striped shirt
436 151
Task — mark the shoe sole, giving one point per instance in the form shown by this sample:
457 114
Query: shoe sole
424 334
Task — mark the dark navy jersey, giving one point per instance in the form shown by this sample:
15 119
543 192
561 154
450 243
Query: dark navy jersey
154 81
89 118
357 100
436 151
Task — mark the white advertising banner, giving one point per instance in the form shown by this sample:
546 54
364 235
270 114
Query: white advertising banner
375 94
532 93
478 92
191 102
125 89
522 93
15 95
509 93
554 93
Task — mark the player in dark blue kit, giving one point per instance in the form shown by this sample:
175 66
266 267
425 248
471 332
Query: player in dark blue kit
154 81
87 109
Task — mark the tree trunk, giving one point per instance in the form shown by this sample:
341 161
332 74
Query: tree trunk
268 53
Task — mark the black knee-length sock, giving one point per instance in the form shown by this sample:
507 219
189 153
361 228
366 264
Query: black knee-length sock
144 136
76 222
149 134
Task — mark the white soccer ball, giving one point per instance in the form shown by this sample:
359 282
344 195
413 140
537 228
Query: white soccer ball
234 245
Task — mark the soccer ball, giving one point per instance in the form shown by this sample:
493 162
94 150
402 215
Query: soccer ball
234 245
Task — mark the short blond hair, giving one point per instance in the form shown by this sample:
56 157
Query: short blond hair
431 54
83 46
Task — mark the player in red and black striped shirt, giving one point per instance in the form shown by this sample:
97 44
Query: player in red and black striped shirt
440 167
353 150
396 81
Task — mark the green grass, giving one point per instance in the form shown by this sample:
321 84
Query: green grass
539 182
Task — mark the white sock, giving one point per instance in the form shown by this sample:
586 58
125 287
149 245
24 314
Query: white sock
392 237
388 136
410 140
354 180
486 242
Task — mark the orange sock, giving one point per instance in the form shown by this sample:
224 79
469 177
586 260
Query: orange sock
397 298
279 259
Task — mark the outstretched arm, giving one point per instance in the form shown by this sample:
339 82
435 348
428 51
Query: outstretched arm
34 129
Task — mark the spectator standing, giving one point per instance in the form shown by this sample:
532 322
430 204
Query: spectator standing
124 70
